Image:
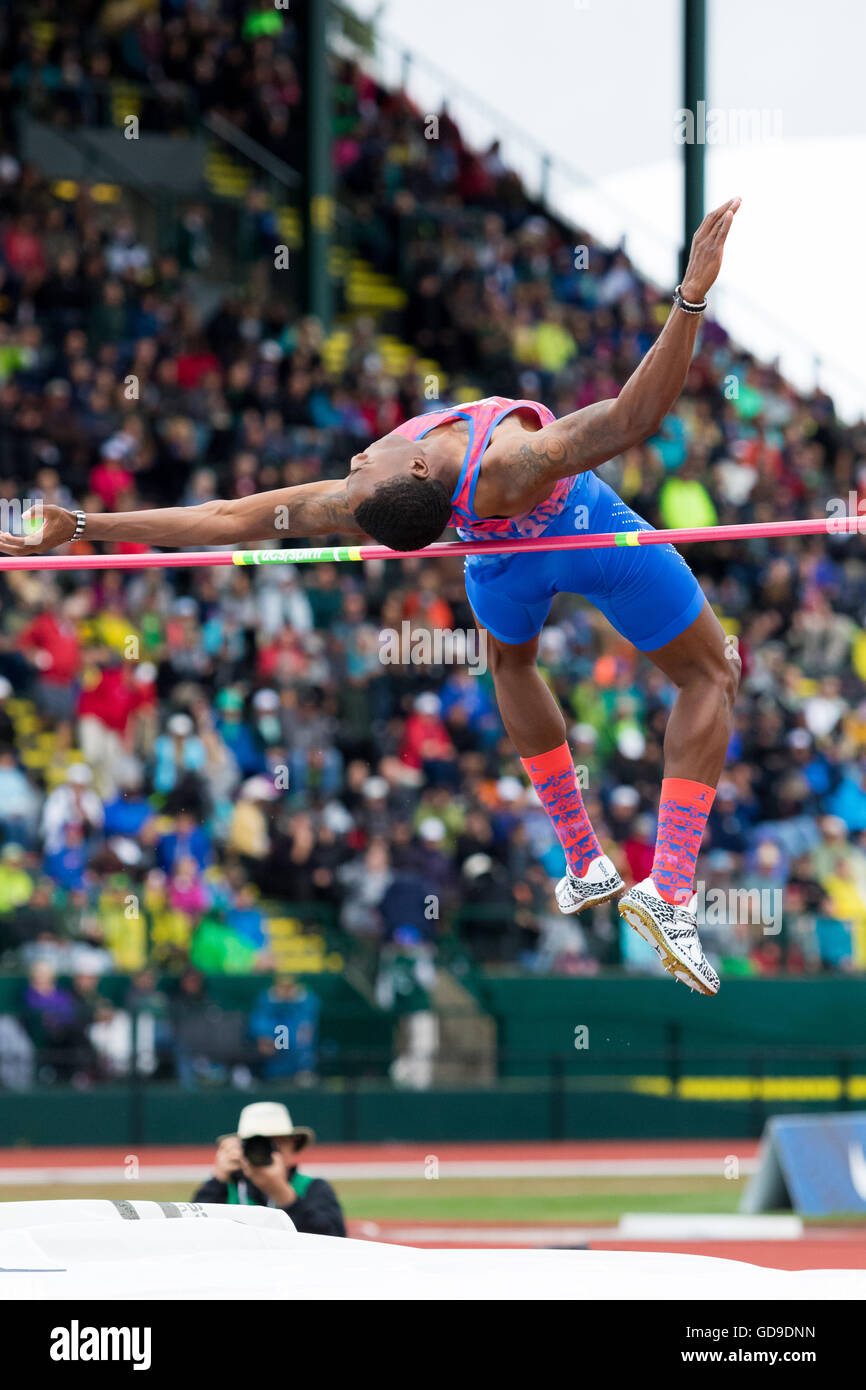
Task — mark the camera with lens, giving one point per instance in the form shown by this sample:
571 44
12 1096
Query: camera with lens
258 1150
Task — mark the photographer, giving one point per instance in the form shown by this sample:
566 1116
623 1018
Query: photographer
258 1167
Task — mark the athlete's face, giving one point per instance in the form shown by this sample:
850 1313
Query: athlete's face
391 457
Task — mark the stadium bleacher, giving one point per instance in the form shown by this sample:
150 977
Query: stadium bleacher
143 718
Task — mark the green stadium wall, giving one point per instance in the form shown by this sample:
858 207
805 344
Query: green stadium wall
659 1062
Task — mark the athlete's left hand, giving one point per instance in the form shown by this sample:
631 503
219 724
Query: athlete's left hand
57 527
708 243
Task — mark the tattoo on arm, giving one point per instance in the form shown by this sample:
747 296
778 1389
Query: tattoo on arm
317 516
570 445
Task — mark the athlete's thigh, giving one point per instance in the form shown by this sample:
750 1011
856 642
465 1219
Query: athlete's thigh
510 595
648 593
651 595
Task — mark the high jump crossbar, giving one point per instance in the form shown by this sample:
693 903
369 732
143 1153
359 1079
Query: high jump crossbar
331 554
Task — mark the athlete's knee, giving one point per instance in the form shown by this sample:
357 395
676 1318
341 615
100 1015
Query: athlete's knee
723 670
703 661
734 663
712 666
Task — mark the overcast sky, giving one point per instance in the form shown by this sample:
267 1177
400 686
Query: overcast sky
598 84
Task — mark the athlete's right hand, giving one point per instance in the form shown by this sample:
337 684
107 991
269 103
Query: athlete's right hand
708 243
57 528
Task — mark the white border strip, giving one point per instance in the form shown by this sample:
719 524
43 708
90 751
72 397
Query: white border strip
396 1171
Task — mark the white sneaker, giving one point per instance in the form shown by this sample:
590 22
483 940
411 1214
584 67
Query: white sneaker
673 932
599 884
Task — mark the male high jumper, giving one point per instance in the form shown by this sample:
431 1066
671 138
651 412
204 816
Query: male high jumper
500 467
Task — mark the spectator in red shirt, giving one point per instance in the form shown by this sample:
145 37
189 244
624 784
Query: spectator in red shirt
23 249
426 744
110 479
105 712
639 848
52 644
195 364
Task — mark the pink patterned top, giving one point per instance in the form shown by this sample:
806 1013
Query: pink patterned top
483 417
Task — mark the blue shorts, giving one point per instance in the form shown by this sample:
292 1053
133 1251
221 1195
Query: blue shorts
648 594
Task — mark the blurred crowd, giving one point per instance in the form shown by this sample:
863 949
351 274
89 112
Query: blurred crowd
72 1029
186 60
179 752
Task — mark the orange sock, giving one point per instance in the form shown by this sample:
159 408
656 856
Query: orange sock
683 811
555 780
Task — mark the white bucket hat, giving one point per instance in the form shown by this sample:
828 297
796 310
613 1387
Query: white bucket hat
272 1120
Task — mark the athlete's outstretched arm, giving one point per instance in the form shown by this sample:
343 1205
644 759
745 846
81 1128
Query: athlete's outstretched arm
312 509
589 437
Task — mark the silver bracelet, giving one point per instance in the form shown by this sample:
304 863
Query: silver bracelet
684 304
80 523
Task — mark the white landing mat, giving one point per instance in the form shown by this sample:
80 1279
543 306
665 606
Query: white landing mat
149 1250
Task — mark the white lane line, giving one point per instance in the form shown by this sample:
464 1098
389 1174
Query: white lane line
486 1235
344 1172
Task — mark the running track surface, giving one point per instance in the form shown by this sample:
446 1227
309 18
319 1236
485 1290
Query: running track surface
172 1155
833 1248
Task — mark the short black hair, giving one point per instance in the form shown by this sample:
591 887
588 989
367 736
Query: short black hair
406 513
